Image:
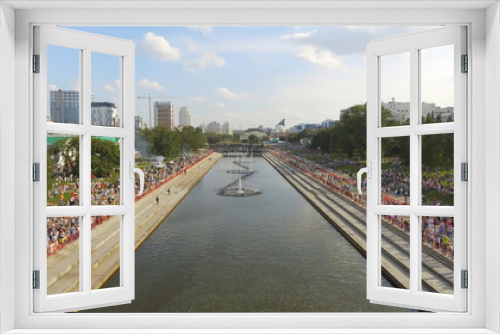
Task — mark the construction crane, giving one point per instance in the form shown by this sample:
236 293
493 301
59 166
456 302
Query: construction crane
149 97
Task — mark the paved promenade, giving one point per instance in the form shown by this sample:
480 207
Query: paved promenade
63 267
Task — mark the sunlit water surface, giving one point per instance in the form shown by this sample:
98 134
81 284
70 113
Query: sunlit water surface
268 253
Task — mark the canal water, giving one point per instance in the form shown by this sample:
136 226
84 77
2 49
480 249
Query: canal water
268 253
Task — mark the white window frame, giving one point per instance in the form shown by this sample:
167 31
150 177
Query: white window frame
412 44
482 316
86 44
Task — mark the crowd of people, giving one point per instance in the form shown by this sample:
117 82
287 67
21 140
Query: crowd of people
155 176
64 230
437 232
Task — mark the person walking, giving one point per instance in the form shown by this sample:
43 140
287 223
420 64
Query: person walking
157 200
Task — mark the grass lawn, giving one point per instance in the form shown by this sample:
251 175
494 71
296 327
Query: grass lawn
445 199
55 201
350 168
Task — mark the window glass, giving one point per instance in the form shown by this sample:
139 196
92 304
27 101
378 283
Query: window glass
106 90
437 84
437 254
395 181
63 255
63 82
105 169
437 169
395 89
63 170
106 240
395 251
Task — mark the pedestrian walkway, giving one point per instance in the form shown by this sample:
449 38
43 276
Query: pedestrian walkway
63 267
350 220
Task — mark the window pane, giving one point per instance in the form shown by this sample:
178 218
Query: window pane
106 90
437 169
105 250
63 255
395 89
395 251
63 83
105 169
63 170
395 181
437 254
437 84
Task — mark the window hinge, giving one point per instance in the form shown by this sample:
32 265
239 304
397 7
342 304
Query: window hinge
465 279
464 174
465 64
36 172
36 63
36 279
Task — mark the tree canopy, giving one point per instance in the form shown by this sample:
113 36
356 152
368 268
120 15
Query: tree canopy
170 143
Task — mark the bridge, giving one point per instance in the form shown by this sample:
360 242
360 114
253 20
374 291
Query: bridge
234 150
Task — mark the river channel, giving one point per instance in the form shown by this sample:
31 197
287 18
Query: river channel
268 253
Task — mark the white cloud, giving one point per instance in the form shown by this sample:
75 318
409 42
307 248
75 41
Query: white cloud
298 35
229 95
151 85
53 87
113 86
199 99
210 58
205 30
220 105
321 57
158 47
75 84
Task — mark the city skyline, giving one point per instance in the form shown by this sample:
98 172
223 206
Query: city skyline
245 75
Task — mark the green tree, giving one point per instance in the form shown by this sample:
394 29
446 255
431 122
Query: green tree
253 139
67 148
352 131
437 150
166 142
213 138
105 158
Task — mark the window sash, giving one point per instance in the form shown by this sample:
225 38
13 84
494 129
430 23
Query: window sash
413 298
86 297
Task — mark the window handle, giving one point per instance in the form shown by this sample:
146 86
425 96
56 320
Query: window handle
363 170
141 176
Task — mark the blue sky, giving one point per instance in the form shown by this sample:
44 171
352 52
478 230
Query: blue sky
247 76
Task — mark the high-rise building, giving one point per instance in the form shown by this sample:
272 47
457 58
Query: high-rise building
139 122
104 114
184 116
214 127
65 106
328 123
227 129
164 114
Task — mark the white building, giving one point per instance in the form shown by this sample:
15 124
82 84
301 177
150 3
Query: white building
401 110
184 116
104 114
227 129
214 127
139 122
65 106
328 123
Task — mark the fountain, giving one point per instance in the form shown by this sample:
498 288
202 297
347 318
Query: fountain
239 191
